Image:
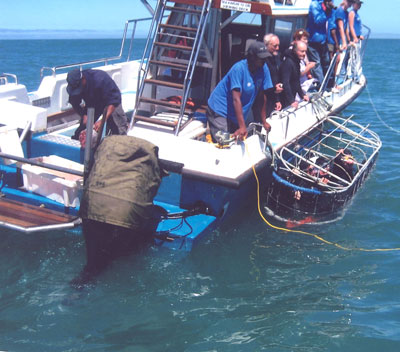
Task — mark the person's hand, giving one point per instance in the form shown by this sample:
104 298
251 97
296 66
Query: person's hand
311 65
325 180
343 47
82 138
241 133
278 88
267 126
278 106
295 104
306 98
297 195
97 125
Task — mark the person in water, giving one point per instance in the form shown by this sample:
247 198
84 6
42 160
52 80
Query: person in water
343 165
99 91
233 97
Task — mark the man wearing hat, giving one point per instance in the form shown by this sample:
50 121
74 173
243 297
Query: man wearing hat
233 97
98 90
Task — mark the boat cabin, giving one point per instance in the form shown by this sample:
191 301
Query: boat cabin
193 44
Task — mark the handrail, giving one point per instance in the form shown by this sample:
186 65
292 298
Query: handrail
41 164
142 73
365 41
102 60
328 74
193 59
4 77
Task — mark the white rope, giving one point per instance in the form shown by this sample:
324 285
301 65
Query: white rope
379 116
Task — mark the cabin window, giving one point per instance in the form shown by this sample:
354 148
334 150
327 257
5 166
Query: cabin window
286 2
284 29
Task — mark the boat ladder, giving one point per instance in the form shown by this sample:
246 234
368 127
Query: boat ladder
171 56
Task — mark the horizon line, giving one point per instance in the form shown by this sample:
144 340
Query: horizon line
15 34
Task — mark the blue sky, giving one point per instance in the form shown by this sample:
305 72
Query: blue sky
100 18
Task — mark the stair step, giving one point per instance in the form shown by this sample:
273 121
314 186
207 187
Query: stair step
164 83
179 28
169 64
155 121
182 9
174 46
164 103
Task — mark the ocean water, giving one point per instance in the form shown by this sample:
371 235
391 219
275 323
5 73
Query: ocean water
246 288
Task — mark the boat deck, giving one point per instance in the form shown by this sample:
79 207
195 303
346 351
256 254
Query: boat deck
29 218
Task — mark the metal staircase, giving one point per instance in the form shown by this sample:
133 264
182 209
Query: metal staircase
171 55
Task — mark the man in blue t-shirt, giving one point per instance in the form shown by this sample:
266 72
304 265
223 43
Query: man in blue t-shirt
233 97
341 20
355 24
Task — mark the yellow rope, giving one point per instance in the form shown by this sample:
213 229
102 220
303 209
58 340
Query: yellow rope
319 238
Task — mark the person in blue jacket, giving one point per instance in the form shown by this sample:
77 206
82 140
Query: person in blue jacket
319 12
99 91
333 42
233 97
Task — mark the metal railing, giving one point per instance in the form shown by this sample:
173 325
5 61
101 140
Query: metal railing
5 76
106 60
193 59
367 33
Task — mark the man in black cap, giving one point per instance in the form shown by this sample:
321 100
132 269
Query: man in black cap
233 97
98 90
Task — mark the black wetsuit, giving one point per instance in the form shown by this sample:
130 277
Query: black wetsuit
273 62
289 72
